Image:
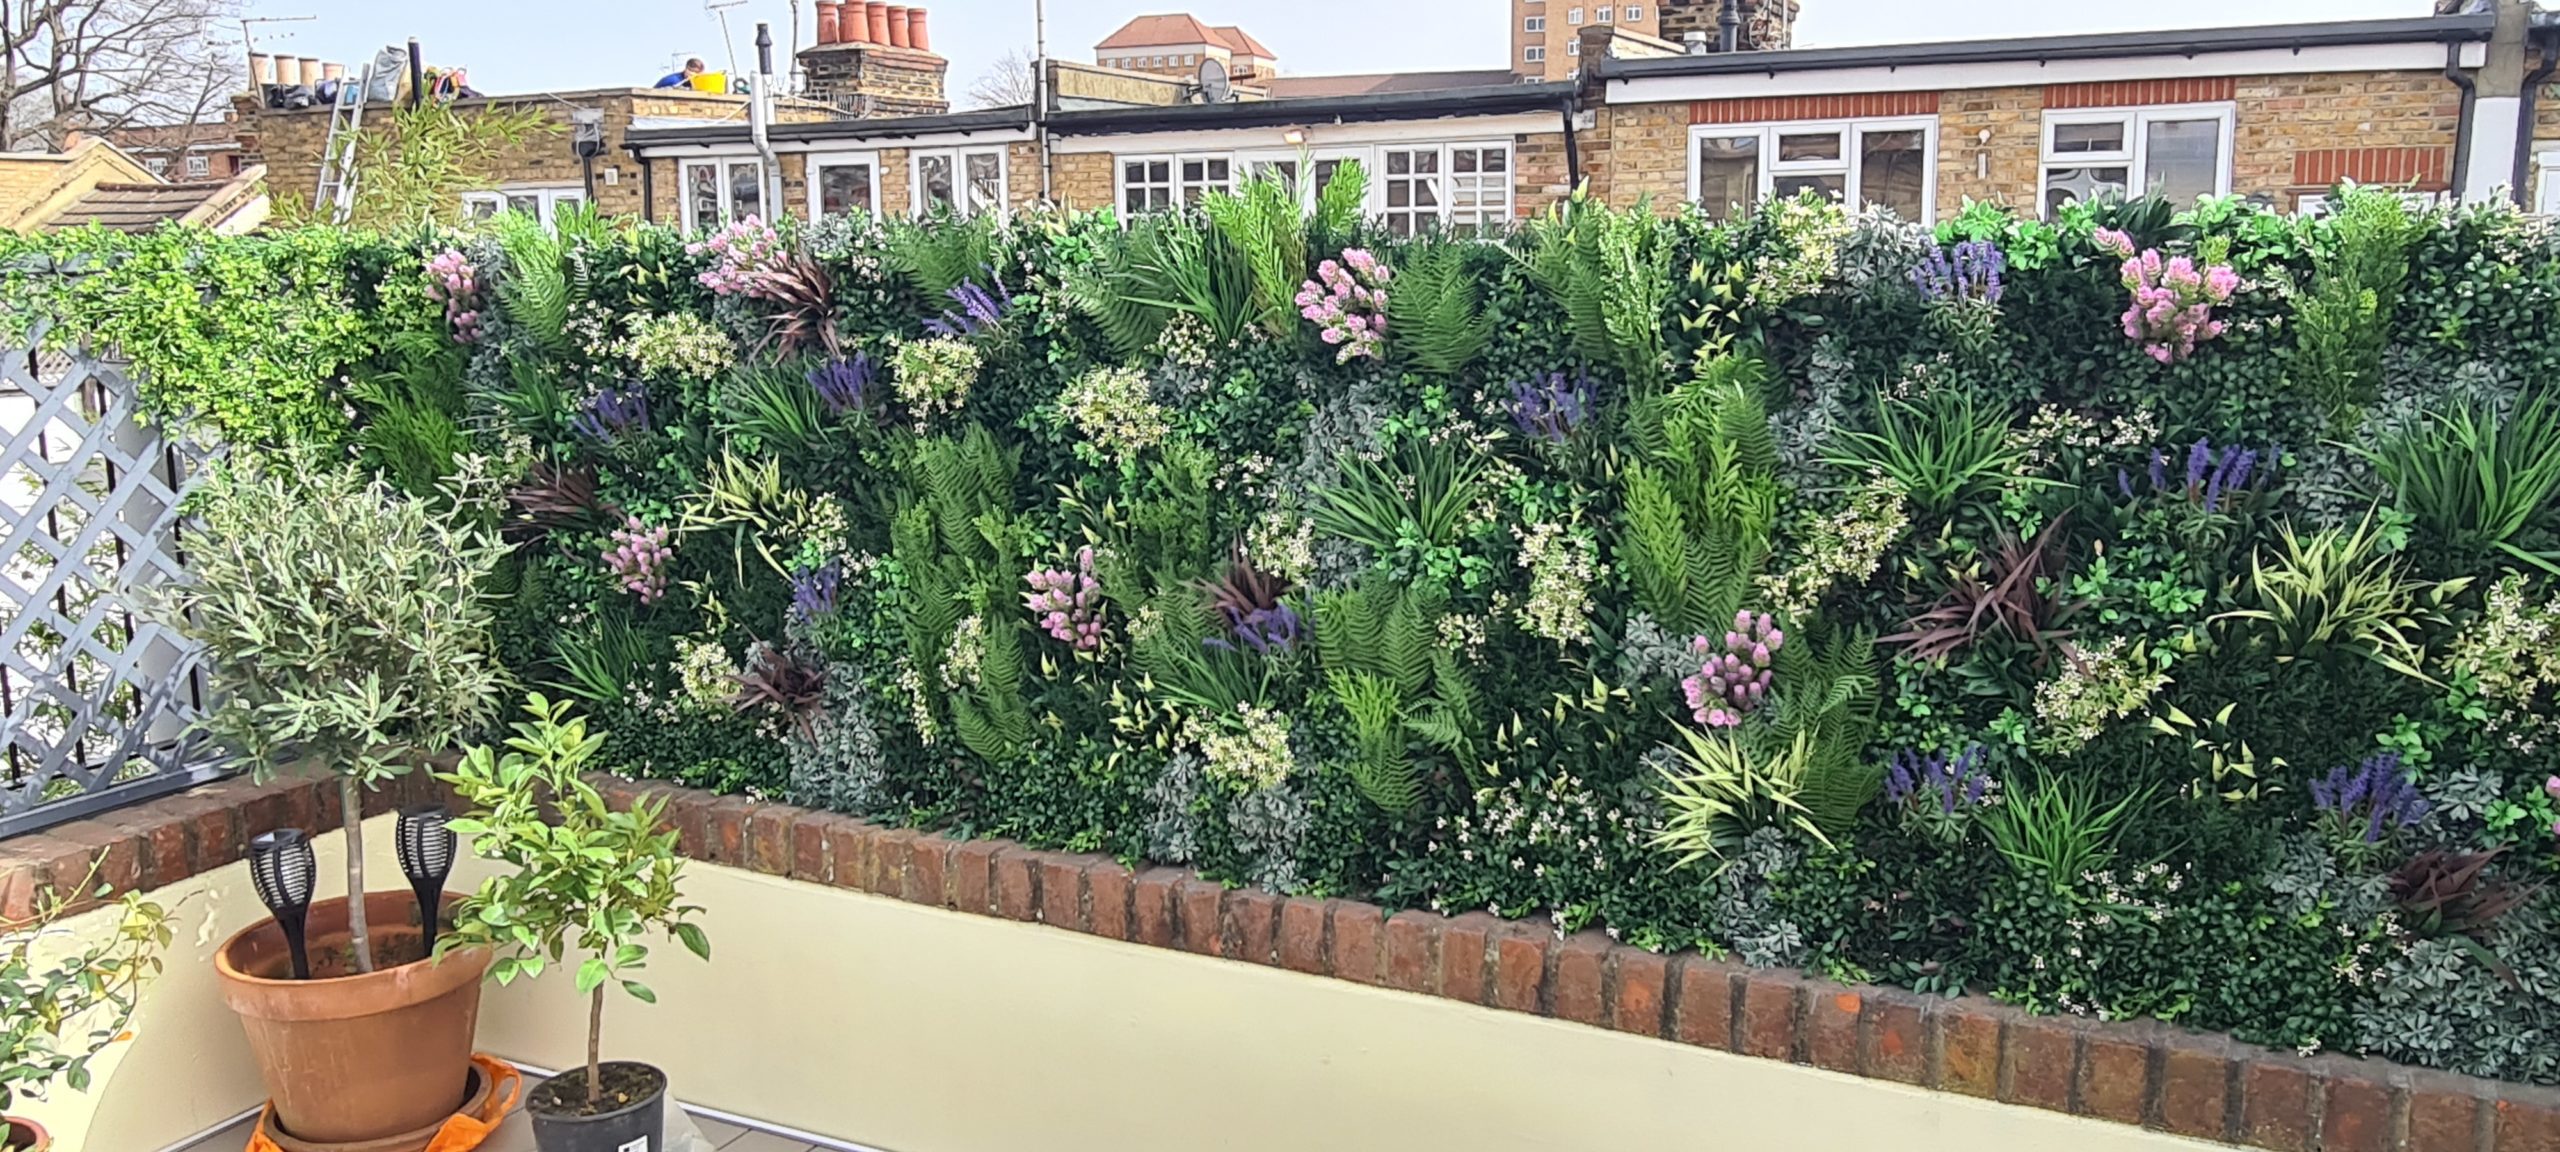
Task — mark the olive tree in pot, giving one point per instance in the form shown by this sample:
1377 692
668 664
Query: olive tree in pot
577 875
64 996
345 631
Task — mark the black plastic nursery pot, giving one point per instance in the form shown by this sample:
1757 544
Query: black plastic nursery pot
632 1119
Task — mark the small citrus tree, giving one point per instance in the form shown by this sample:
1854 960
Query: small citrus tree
62 1002
581 874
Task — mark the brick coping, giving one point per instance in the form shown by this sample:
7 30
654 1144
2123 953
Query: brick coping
2158 1076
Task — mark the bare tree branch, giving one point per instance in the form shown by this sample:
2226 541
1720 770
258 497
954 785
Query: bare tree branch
1004 83
95 66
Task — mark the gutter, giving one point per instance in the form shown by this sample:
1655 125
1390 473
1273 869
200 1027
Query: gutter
2462 121
1571 108
2186 42
1423 105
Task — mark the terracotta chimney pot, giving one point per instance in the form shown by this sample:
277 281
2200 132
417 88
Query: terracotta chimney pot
879 23
288 70
916 37
855 23
898 26
333 71
827 13
262 69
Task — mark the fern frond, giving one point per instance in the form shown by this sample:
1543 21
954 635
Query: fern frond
1439 325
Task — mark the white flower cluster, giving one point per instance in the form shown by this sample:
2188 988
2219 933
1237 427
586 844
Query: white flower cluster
968 651
934 377
2096 685
1283 543
1846 545
677 346
1110 407
705 672
1562 568
2509 657
1250 748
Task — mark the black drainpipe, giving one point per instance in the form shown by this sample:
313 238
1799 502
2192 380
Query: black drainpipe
648 188
2533 83
1572 148
2462 122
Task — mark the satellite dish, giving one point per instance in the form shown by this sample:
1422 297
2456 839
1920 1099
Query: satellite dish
1214 88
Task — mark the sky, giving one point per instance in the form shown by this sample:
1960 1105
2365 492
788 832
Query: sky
532 45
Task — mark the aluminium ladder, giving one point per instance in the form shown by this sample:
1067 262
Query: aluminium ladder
337 191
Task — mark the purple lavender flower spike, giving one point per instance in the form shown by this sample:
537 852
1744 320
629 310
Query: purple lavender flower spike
843 385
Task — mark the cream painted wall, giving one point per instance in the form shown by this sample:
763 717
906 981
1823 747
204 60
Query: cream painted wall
920 1030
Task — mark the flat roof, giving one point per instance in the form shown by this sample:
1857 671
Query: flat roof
2091 46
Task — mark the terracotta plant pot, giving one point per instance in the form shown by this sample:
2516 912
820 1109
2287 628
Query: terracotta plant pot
472 1104
18 1135
350 1058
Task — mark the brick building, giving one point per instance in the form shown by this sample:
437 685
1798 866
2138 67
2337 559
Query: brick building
1175 44
1546 35
2279 114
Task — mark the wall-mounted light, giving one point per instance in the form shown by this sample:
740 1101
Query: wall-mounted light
1294 137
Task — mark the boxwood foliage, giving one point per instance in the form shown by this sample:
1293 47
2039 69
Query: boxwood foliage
2056 609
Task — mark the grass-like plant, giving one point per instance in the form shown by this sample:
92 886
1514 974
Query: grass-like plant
1723 786
1423 495
1611 274
1945 451
774 408
578 874
2476 479
2060 829
2343 590
1267 229
343 624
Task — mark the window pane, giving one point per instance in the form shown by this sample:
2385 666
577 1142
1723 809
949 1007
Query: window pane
480 207
1831 186
2064 185
1133 172
933 173
1399 193
1219 172
701 195
1195 170
1426 162
1809 146
529 203
844 190
1399 163
1728 175
1497 160
986 182
2181 158
2103 137
1893 172
746 190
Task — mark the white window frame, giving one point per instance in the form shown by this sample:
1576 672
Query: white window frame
726 183
2135 156
1534 54
548 200
1607 14
199 165
960 198
1851 166
819 162
1180 191
1536 23
1634 14
2546 177
1573 47
1375 165
1573 17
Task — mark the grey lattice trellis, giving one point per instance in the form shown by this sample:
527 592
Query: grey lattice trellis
94 699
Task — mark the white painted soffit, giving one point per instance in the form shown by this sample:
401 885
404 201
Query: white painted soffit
1919 75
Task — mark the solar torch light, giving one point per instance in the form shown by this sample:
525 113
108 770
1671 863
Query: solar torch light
282 868
426 858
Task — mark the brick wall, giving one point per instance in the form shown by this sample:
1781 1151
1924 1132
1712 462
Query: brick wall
2167 1079
2417 113
1083 180
1539 174
2015 118
2292 134
290 143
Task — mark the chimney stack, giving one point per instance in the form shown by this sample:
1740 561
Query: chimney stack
916 37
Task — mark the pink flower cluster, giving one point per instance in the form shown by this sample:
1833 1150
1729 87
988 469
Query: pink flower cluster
454 283
2172 307
1348 301
638 559
1069 604
2551 788
1731 683
744 257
